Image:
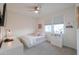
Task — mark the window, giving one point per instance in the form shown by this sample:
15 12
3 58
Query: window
58 28
48 28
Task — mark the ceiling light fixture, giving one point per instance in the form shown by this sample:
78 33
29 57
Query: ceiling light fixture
37 9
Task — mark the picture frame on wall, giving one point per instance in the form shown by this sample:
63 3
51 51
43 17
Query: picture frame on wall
39 26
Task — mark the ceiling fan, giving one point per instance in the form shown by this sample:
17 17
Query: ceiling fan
35 8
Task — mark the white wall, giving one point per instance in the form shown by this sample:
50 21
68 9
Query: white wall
19 23
69 17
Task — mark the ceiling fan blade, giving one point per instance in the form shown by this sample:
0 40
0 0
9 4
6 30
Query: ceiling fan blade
34 6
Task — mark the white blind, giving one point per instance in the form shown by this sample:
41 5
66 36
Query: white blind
58 20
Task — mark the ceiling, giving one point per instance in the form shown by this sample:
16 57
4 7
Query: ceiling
46 8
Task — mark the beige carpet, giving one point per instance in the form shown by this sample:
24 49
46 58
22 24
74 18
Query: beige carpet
48 49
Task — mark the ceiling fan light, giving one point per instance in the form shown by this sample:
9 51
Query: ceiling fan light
36 11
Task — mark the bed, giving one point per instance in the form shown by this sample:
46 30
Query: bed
31 40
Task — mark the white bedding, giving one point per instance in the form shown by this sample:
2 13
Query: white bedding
30 40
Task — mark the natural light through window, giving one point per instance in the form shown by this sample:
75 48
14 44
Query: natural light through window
59 28
48 28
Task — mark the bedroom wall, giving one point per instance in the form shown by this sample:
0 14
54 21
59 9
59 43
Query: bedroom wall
19 23
69 17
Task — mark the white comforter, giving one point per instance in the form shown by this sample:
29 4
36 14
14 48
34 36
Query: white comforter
30 40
